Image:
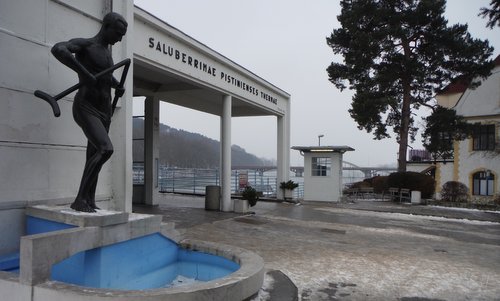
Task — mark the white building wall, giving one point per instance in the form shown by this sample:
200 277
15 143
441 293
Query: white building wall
470 162
444 173
467 162
121 126
482 101
327 188
42 157
417 167
481 105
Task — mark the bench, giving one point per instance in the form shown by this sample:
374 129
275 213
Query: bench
353 192
393 192
405 194
366 191
401 194
360 192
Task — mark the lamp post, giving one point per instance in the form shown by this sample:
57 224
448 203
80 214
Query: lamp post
319 139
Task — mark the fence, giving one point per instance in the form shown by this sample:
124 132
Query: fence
187 180
193 180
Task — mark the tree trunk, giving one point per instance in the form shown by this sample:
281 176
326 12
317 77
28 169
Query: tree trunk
405 126
405 109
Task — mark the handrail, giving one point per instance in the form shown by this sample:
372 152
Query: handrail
194 180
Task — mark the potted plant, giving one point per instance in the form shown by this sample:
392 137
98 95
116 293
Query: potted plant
249 198
288 188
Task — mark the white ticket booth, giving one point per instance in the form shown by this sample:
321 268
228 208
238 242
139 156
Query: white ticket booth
322 172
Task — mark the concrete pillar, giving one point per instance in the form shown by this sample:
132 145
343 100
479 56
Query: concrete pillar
339 165
151 150
225 154
121 125
283 149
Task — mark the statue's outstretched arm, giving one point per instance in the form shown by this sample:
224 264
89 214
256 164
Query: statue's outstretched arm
64 52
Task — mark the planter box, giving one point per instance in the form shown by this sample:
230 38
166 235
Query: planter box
240 206
288 194
416 197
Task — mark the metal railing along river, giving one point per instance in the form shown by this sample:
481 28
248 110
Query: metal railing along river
194 180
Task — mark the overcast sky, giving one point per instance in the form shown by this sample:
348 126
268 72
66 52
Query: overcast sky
283 41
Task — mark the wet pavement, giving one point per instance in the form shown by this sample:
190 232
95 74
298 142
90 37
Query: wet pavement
367 250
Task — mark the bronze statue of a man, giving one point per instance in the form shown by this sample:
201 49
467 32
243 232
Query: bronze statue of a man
92 108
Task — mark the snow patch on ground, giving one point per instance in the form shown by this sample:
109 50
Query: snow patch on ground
407 216
464 209
98 212
447 219
181 281
268 286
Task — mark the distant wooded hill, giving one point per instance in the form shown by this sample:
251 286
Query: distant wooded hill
179 148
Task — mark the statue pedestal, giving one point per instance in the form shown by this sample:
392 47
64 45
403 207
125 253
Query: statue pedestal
135 253
66 215
58 232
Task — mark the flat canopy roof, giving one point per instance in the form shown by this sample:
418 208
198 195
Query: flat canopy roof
323 149
178 69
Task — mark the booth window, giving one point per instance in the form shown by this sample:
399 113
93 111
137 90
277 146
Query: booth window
483 137
321 166
482 183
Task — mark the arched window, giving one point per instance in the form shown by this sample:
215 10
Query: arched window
482 183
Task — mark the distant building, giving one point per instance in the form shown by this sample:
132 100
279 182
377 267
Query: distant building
476 161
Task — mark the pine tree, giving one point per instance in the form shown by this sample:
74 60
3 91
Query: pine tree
397 54
493 14
443 127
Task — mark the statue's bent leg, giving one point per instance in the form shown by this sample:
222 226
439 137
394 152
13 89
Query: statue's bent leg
100 151
91 197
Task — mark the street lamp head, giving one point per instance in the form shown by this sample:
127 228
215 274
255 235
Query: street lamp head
319 139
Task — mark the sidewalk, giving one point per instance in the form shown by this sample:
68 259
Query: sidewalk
437 211
367 250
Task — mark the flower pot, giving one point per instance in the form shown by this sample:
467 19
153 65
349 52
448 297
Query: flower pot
288 194
240 206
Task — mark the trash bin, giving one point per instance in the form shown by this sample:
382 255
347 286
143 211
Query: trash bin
416 197
212 197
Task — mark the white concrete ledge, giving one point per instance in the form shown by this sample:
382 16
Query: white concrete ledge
40 251
102 201
12 289
237 286
66 215
168 230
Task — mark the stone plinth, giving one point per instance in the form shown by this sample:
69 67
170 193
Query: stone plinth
40 251
66 215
